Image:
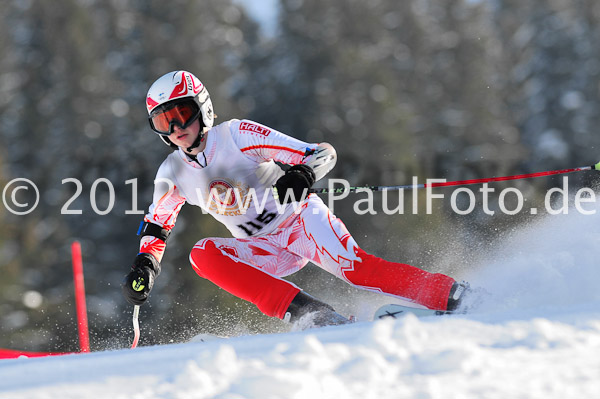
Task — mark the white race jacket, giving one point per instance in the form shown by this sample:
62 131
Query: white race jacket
235 185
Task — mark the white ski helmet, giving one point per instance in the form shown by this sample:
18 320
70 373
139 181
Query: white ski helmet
172 89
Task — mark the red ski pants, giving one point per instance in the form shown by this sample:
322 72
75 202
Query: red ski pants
252 268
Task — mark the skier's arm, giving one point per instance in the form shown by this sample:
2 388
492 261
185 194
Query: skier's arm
322 160
161 217
290 165
265 145
154 230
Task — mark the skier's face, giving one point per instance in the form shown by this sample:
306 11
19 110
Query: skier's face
186 137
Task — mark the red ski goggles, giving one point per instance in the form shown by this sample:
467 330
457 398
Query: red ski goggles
164 118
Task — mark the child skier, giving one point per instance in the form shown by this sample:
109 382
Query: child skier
254 180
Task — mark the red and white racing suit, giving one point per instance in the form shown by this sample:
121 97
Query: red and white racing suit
232 180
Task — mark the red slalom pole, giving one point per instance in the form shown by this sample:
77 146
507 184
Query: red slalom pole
341 190
82 321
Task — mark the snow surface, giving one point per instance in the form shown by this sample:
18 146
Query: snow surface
536 336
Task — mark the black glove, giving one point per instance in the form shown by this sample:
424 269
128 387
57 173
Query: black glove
297 179
138 283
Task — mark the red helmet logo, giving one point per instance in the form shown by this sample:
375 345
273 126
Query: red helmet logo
180 89
187 84
150 103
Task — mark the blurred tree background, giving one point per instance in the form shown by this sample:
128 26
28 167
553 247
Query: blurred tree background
457 89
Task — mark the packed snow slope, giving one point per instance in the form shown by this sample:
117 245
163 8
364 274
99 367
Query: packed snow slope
536 336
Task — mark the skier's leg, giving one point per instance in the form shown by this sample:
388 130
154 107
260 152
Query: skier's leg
241 267
321 237
428 289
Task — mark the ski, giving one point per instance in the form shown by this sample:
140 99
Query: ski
395 311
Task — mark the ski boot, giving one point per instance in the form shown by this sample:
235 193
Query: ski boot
458 292
306 312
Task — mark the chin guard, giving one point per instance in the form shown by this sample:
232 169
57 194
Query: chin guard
151 229
198 140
